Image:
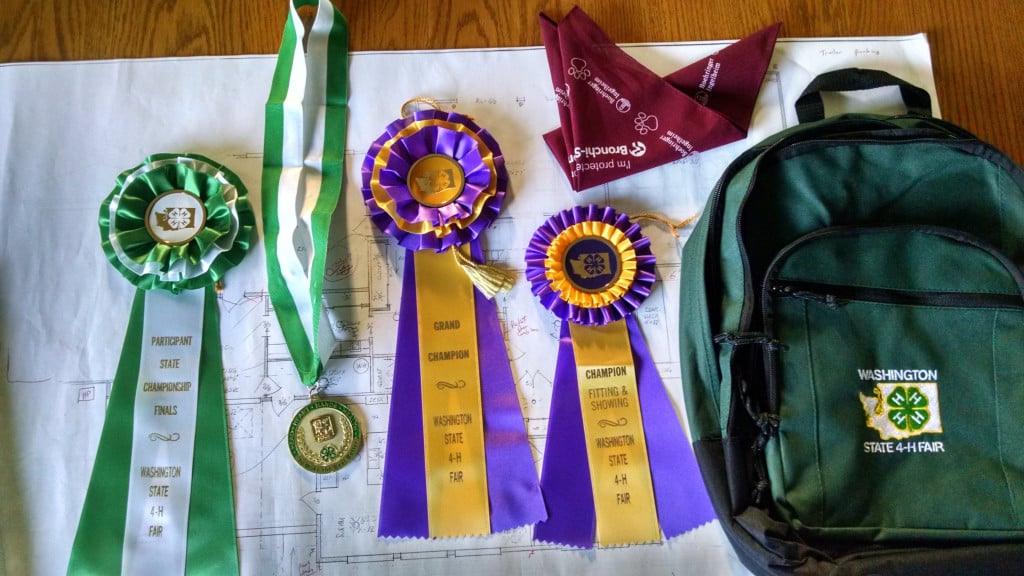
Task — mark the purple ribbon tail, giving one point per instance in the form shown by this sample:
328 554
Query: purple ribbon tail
565 479
679 491
514 493
403 503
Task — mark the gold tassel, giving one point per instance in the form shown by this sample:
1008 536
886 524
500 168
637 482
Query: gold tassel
672 226
488 279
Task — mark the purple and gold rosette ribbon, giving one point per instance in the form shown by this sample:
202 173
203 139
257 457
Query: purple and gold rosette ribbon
417 208
617 463
590 265
435 181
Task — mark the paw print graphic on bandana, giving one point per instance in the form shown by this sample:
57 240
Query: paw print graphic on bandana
645 123
578 69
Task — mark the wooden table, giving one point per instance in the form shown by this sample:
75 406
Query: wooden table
977 45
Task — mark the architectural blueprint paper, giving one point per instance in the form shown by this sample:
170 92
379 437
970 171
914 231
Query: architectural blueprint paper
68 129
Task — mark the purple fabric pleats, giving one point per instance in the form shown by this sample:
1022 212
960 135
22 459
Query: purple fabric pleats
538 274
452 224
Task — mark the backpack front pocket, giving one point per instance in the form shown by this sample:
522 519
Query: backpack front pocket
898 379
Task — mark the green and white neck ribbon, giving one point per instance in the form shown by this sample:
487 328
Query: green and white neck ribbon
304 151
160 499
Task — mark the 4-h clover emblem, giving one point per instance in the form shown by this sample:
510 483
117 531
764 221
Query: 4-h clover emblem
899 410
589 265
175 217
908 408
178 218
594 264
328 453
323 428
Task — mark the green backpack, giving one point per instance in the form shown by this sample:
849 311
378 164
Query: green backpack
852 345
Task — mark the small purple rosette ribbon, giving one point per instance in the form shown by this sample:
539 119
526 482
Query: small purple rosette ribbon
554 284
570 277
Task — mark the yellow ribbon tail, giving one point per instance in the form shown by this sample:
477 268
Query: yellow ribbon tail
620 468
455 457
488 279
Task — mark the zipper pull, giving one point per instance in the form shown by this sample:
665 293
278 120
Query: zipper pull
830 300
748 338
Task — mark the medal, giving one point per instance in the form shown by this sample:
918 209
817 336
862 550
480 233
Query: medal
324 436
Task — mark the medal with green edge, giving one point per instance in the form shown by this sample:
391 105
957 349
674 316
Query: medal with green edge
324 435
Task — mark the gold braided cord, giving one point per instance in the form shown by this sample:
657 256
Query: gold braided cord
672 226
404 113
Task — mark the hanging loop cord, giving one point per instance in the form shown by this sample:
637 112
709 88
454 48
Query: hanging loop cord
672 226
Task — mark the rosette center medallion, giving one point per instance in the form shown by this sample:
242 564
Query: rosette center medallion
175 217
436 180
592 264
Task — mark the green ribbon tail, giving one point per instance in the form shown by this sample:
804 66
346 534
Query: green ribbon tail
100 537
212 548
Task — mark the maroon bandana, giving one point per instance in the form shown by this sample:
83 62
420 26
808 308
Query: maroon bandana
619 118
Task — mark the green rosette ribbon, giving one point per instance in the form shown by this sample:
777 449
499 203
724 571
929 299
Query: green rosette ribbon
160 499
202 261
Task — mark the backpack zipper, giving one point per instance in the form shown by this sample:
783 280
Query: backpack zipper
748 312
714 232
711 265
767 421
835 296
